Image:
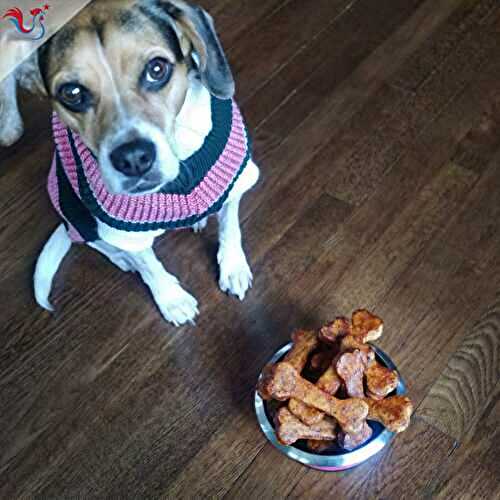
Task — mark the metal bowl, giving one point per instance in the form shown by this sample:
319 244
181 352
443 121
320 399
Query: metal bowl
336 458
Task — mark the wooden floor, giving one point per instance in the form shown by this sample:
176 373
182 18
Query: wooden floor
377 127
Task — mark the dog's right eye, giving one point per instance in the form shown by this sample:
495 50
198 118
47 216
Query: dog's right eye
75 97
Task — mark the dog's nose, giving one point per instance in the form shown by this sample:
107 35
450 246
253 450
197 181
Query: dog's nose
134 158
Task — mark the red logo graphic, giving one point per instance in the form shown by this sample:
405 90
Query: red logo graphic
34 28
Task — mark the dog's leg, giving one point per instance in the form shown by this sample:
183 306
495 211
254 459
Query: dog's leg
175 304
48 263
11 123
118 257
235 274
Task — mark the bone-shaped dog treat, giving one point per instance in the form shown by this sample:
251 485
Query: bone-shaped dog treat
290 429
304 342
393 413
351 441
329 382
366 325
284 382
380 381
262 388
305 413
352 343
351 367
339 327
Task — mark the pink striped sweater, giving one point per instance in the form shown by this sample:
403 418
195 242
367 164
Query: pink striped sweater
79 195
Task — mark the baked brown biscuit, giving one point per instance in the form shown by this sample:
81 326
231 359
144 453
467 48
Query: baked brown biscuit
304 342
352 441
339 327
351 368
366 325
290 429
328 382
394 412
261 385
380 381
352 343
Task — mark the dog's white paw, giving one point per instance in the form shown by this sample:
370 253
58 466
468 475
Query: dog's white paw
176 305
200 226
235 274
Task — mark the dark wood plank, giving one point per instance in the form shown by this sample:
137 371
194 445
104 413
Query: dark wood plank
472 470
403 121
438 47
314 72
235 19
278 37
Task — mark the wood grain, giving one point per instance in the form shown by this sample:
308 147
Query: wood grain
459 395
472 470
377 126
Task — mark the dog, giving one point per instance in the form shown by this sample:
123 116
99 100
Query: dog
148 139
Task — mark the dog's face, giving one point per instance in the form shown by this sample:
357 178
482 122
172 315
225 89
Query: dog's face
118 75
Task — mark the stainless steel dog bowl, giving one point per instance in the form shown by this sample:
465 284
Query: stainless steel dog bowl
336 458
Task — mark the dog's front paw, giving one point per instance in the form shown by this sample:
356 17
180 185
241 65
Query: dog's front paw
177 306
235 274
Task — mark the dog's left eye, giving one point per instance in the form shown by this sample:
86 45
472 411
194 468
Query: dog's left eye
156 74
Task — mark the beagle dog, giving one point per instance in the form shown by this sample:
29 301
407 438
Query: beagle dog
148 138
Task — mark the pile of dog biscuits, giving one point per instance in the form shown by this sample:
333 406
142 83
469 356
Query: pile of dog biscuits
332 384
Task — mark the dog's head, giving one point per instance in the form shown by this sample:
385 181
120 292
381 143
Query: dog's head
118 74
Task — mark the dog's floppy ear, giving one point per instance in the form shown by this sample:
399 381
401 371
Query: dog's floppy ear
198 27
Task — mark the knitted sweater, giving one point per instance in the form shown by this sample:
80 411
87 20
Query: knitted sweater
79 194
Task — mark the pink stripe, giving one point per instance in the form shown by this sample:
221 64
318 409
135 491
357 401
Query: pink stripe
203 201
223 178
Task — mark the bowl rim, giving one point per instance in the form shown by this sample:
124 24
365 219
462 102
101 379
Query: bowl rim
334 462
